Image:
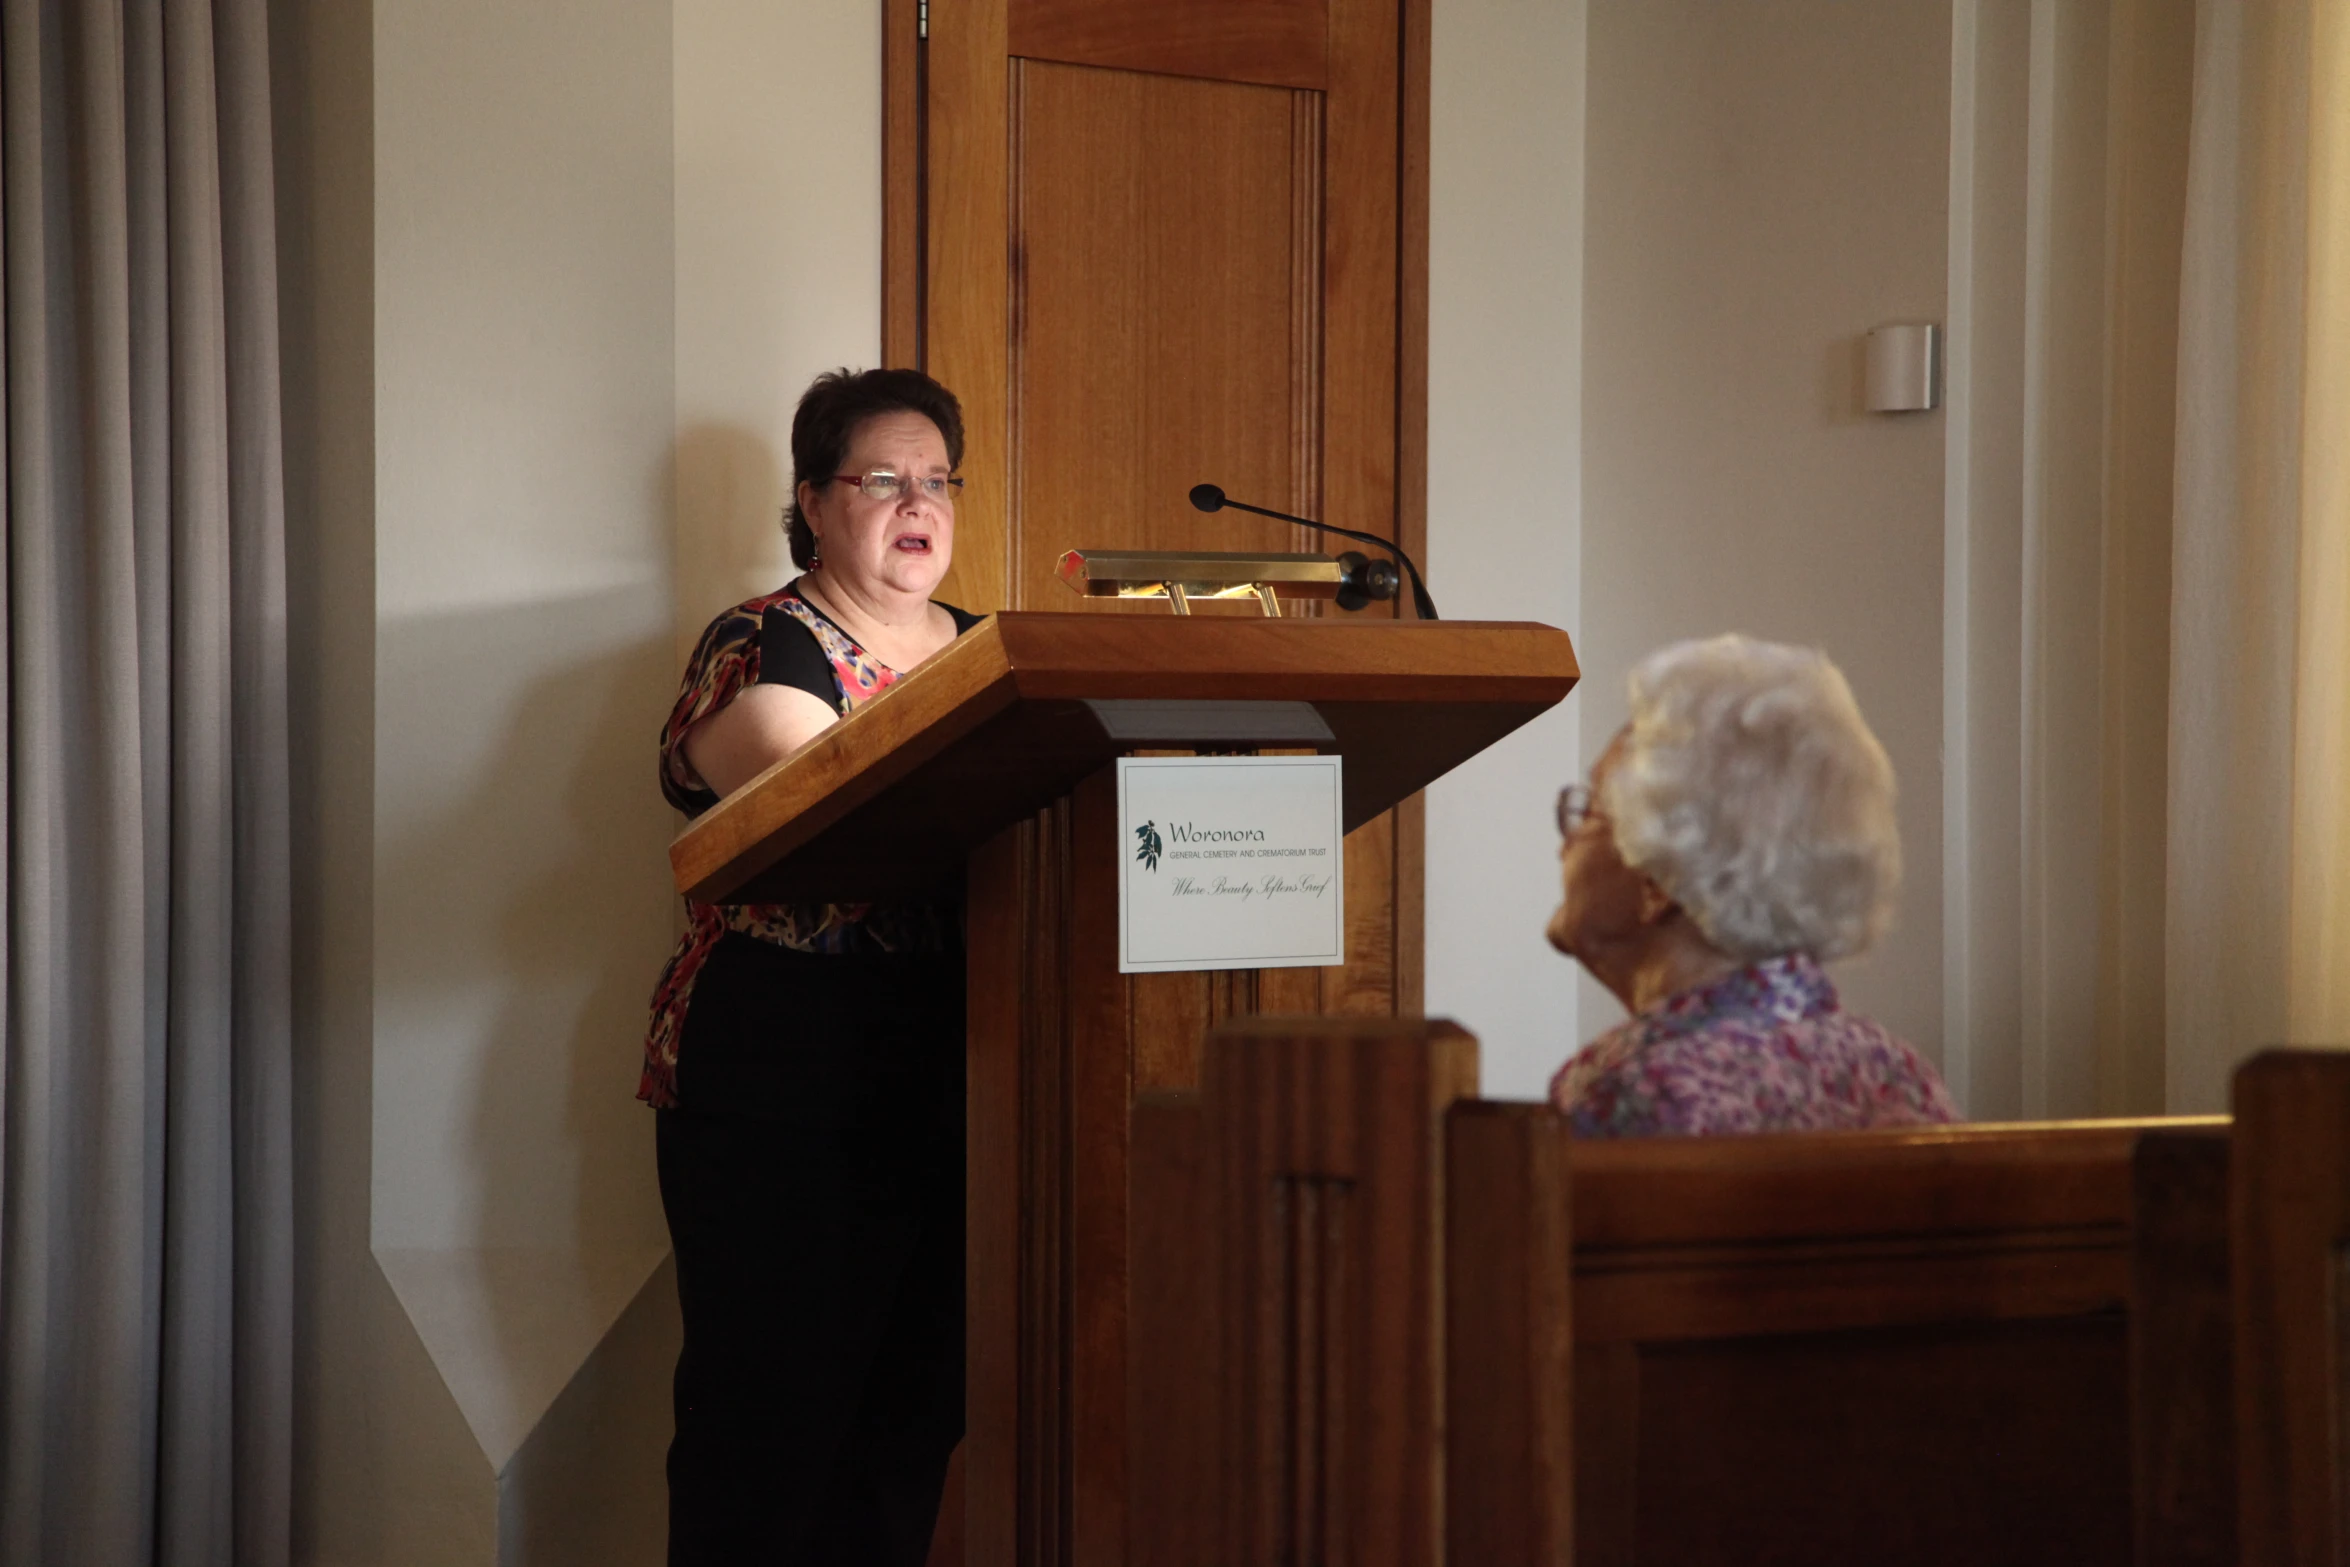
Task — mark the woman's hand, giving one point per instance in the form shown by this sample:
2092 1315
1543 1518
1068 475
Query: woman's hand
760 727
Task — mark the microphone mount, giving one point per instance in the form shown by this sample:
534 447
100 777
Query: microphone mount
1365 579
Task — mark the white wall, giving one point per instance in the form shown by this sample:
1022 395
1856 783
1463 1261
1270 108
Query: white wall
1763 185
1505 385
552 292
778 246
524 405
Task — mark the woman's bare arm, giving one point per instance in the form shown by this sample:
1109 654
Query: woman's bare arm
760 727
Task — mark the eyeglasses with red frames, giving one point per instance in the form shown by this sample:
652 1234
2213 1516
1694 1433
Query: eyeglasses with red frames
887 484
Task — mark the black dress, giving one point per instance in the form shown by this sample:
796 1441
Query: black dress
810 1140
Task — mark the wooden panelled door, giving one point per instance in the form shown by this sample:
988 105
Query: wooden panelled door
1155 244
1150 245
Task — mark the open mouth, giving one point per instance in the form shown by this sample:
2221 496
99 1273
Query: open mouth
912 543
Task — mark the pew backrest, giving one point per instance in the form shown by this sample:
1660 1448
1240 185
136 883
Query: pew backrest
1509 1337
1860 1346
2289 1224
1721 1237
2182 1344
1379 1322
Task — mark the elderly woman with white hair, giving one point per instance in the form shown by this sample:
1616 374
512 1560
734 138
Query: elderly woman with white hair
1737 833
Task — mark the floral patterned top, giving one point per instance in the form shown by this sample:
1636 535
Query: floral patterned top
1766 1049
726 660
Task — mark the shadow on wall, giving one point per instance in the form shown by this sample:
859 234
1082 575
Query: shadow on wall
563 929
524 910
1844 395
730 488
588 1486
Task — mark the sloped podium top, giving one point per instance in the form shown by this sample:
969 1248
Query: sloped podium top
891 800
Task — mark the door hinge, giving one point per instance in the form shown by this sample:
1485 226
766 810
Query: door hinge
922 18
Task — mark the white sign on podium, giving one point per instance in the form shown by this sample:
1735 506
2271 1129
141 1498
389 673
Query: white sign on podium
1230 862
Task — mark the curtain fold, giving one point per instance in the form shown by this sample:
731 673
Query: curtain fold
145 1050
2151 75
2258 895
2320 987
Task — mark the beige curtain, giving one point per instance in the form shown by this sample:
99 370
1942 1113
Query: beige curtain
145 1188
2320 989
2258 897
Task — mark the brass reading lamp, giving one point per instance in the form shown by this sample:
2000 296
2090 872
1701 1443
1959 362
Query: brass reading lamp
1179 576
1351 579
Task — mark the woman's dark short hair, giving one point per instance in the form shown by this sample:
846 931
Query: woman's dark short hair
829 415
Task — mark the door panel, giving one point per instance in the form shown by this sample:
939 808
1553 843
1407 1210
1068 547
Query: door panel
1166 314
1277 43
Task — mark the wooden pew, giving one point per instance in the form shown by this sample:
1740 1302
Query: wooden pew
2238 1351
1285 1297
2182 1344
1510 1437
2289 1228
1390 1324
1883 1346
1870 1346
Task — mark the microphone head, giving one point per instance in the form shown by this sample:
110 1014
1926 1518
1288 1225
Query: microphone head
1363 579
1207 497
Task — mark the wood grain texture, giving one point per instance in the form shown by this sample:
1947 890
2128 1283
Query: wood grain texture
1410 961
901 184
1952 1445
2182 1347
991 729
1366 983
1411 284
1936 1319
1177 1329
1154 302
1325 1135
1509 1337
1309 176
1099 1072
1729 1289
1281 43
2289 1221
1361 301
1411 462
966 216
1010 937
1994 1177
1045 1132
1606 1454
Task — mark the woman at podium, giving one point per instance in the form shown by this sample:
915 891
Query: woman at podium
1736 833
805 1061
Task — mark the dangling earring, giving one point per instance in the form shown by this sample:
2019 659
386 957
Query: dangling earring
815 550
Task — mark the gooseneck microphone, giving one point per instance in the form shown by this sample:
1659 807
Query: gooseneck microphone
1209 497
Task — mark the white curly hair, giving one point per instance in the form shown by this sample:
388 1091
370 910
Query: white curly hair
1751 790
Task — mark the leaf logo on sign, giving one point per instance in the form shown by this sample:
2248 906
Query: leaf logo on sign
1149 846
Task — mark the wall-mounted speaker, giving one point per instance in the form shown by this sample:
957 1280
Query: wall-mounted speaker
1904 367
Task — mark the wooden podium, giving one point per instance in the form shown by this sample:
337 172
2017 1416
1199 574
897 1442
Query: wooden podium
994 766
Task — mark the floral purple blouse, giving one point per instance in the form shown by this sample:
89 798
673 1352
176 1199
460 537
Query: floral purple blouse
1766 1049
